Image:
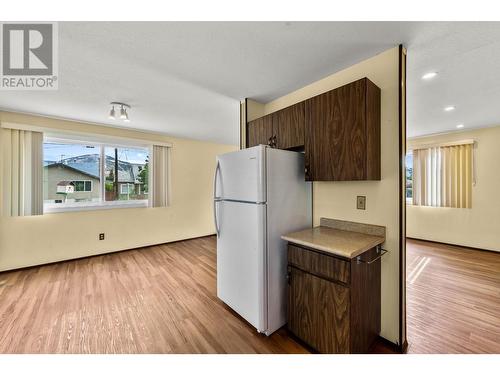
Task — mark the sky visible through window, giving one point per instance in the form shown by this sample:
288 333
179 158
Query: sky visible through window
130 155
54 152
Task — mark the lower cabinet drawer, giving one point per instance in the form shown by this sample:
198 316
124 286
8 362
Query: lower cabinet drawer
318 312
319 264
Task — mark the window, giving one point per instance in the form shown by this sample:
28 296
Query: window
442 176
409 177
82 185
80 175
70 170
126 173
126 189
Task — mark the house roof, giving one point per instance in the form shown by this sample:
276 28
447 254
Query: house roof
89 165
65 183
125 169
72 168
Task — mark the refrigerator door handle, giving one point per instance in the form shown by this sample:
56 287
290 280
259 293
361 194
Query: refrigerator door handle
216 199
215 218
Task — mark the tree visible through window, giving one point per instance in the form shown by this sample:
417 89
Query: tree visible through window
409 177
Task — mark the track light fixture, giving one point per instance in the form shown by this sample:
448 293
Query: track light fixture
123 111
112 113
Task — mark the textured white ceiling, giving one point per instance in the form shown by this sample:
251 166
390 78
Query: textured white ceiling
466 56
185 78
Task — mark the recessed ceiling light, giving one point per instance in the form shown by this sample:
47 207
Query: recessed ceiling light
460 126
429 75
449 108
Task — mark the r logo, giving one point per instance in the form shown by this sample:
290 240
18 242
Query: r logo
28 49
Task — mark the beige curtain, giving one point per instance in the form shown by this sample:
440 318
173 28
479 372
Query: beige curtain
443 176
22 172
160 178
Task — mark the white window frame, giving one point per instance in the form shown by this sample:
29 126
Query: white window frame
102 204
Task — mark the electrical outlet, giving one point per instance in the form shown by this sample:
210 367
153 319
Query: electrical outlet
101 236
361 202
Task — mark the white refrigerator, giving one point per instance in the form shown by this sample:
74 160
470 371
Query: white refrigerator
260 193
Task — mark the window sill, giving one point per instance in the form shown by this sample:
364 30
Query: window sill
94 207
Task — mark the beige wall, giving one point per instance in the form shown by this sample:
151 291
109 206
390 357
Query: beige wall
32 240
254 110
338 199
477 226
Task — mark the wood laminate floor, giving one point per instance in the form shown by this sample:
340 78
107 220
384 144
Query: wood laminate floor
453 299
162 299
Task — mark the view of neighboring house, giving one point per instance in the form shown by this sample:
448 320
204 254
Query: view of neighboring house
77 179
86 186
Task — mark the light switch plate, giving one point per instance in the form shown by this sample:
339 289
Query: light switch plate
361 202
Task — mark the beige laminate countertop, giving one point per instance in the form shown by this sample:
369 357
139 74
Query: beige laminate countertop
343 243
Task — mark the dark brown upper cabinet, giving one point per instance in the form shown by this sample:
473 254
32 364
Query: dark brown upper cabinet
288 127
342 133
338 130
283 129
260 131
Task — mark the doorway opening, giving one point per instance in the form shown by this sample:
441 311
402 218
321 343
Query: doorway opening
452 257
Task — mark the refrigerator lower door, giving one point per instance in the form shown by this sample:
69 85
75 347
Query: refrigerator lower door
241 260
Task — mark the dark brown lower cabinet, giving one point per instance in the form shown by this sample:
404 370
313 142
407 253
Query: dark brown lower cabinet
333 303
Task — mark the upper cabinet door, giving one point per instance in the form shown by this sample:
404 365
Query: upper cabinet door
342 137
289 127
259 131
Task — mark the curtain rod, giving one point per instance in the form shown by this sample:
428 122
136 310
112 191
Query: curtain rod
441 144
55 132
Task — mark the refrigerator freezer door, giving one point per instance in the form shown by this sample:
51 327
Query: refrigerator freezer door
241 249
241 175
